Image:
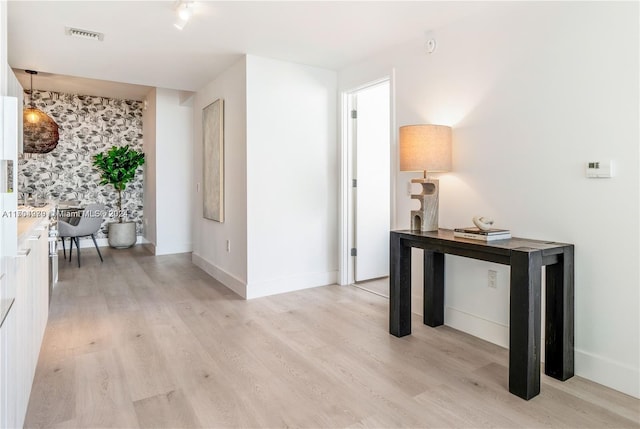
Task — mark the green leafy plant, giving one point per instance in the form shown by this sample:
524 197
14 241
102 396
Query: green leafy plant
118 166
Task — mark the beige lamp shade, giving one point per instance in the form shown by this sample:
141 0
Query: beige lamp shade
425 148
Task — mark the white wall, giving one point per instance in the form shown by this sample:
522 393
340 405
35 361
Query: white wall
149 147
168 134
4 65
292 188
13 401
6 229
174 169
210 237
532 94
280 179
7 226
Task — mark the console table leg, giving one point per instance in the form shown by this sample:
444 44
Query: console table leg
559 356
399 288
524 329
433 296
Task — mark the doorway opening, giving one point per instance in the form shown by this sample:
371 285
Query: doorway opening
368 186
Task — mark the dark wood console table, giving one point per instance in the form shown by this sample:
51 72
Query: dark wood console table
526 258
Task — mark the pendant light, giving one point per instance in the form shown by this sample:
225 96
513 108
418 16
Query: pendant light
40 132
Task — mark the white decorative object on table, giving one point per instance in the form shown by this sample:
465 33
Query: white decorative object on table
484 223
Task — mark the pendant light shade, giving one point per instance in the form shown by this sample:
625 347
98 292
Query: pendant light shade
40 132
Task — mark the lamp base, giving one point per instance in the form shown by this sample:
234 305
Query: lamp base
426 218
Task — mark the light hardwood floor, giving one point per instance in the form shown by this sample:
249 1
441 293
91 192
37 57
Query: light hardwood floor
145 341
379 286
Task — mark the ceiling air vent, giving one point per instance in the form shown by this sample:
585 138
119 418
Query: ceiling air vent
83 34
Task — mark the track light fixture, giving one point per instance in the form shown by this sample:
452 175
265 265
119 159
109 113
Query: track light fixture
184 10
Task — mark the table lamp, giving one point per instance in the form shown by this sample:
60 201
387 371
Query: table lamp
425 148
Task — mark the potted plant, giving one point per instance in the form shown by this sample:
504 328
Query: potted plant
118 166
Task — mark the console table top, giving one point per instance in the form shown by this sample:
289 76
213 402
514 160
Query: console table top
514 243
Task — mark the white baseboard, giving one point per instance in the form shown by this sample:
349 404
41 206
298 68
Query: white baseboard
602 370
151 247
230 281
172 250
290 283
488 330
416 304
265 288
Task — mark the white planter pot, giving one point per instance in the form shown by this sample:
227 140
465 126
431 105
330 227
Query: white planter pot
122 235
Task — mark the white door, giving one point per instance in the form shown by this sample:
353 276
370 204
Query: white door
372 173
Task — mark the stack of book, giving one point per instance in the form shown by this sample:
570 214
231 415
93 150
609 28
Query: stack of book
484 235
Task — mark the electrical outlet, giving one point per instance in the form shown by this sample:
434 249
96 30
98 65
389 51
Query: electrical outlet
228 246
493 279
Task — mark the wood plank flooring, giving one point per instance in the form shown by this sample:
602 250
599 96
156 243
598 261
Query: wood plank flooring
154 342
379 286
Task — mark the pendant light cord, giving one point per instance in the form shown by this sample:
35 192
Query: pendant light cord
31 73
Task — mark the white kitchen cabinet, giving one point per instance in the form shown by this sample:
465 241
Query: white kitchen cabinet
23 262
22 332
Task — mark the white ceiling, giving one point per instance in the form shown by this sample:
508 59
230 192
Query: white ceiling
81 85
142 47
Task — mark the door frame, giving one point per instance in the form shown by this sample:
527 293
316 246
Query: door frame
346 239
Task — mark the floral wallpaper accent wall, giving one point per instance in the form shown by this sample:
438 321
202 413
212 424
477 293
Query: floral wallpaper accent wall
87 125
